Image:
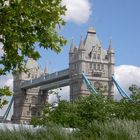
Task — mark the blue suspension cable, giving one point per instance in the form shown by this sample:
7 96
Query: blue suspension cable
7 110
121 91
89 85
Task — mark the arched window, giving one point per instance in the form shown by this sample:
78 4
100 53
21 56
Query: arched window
33 111
98 66
90 54
95 66
32 75
34 100
94 56
29 75
98 56
90 65
103 66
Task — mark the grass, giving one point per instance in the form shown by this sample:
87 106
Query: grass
111 130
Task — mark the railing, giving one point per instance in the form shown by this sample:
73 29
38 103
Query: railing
57 84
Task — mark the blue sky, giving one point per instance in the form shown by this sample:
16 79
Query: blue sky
116 19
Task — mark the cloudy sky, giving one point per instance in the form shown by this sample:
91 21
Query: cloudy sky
116 19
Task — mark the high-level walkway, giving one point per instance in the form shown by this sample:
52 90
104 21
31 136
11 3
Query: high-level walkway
49 81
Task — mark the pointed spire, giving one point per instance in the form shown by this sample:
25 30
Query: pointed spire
72 46
110 44
81 45
46 69
110 49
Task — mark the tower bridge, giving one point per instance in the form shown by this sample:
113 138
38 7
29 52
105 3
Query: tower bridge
31 88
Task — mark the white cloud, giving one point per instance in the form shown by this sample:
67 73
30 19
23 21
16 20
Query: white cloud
9 83
127 75
63 93
6 81
78 11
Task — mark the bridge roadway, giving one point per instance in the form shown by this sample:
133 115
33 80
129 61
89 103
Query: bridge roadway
49 81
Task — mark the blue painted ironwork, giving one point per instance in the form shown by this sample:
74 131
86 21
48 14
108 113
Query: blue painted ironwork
121 90
89 85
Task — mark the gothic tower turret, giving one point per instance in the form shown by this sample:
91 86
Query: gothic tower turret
111 63
95 62
71 52
81 57
26 103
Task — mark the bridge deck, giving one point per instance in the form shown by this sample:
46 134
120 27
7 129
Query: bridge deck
60 78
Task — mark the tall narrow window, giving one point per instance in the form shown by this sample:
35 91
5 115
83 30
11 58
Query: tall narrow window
34 111
98 66
98 56
29 75
34 100
103 66
90 65
94 66
90 54
94 56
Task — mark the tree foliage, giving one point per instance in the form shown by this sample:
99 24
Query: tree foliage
25 22
85 110
4 92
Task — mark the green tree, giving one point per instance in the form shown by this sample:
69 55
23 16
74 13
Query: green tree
77 114
25 23
85 110
128 109
22 24
4 92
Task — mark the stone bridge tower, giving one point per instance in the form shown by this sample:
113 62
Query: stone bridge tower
95 62
27 103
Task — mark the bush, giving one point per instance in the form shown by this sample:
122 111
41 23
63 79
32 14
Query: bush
84 110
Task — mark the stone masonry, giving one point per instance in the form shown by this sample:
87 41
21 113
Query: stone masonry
95 62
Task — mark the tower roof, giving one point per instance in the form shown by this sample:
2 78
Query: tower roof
91 40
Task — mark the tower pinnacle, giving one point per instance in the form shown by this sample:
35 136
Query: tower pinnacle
72 46
110 49
81 45
46 69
